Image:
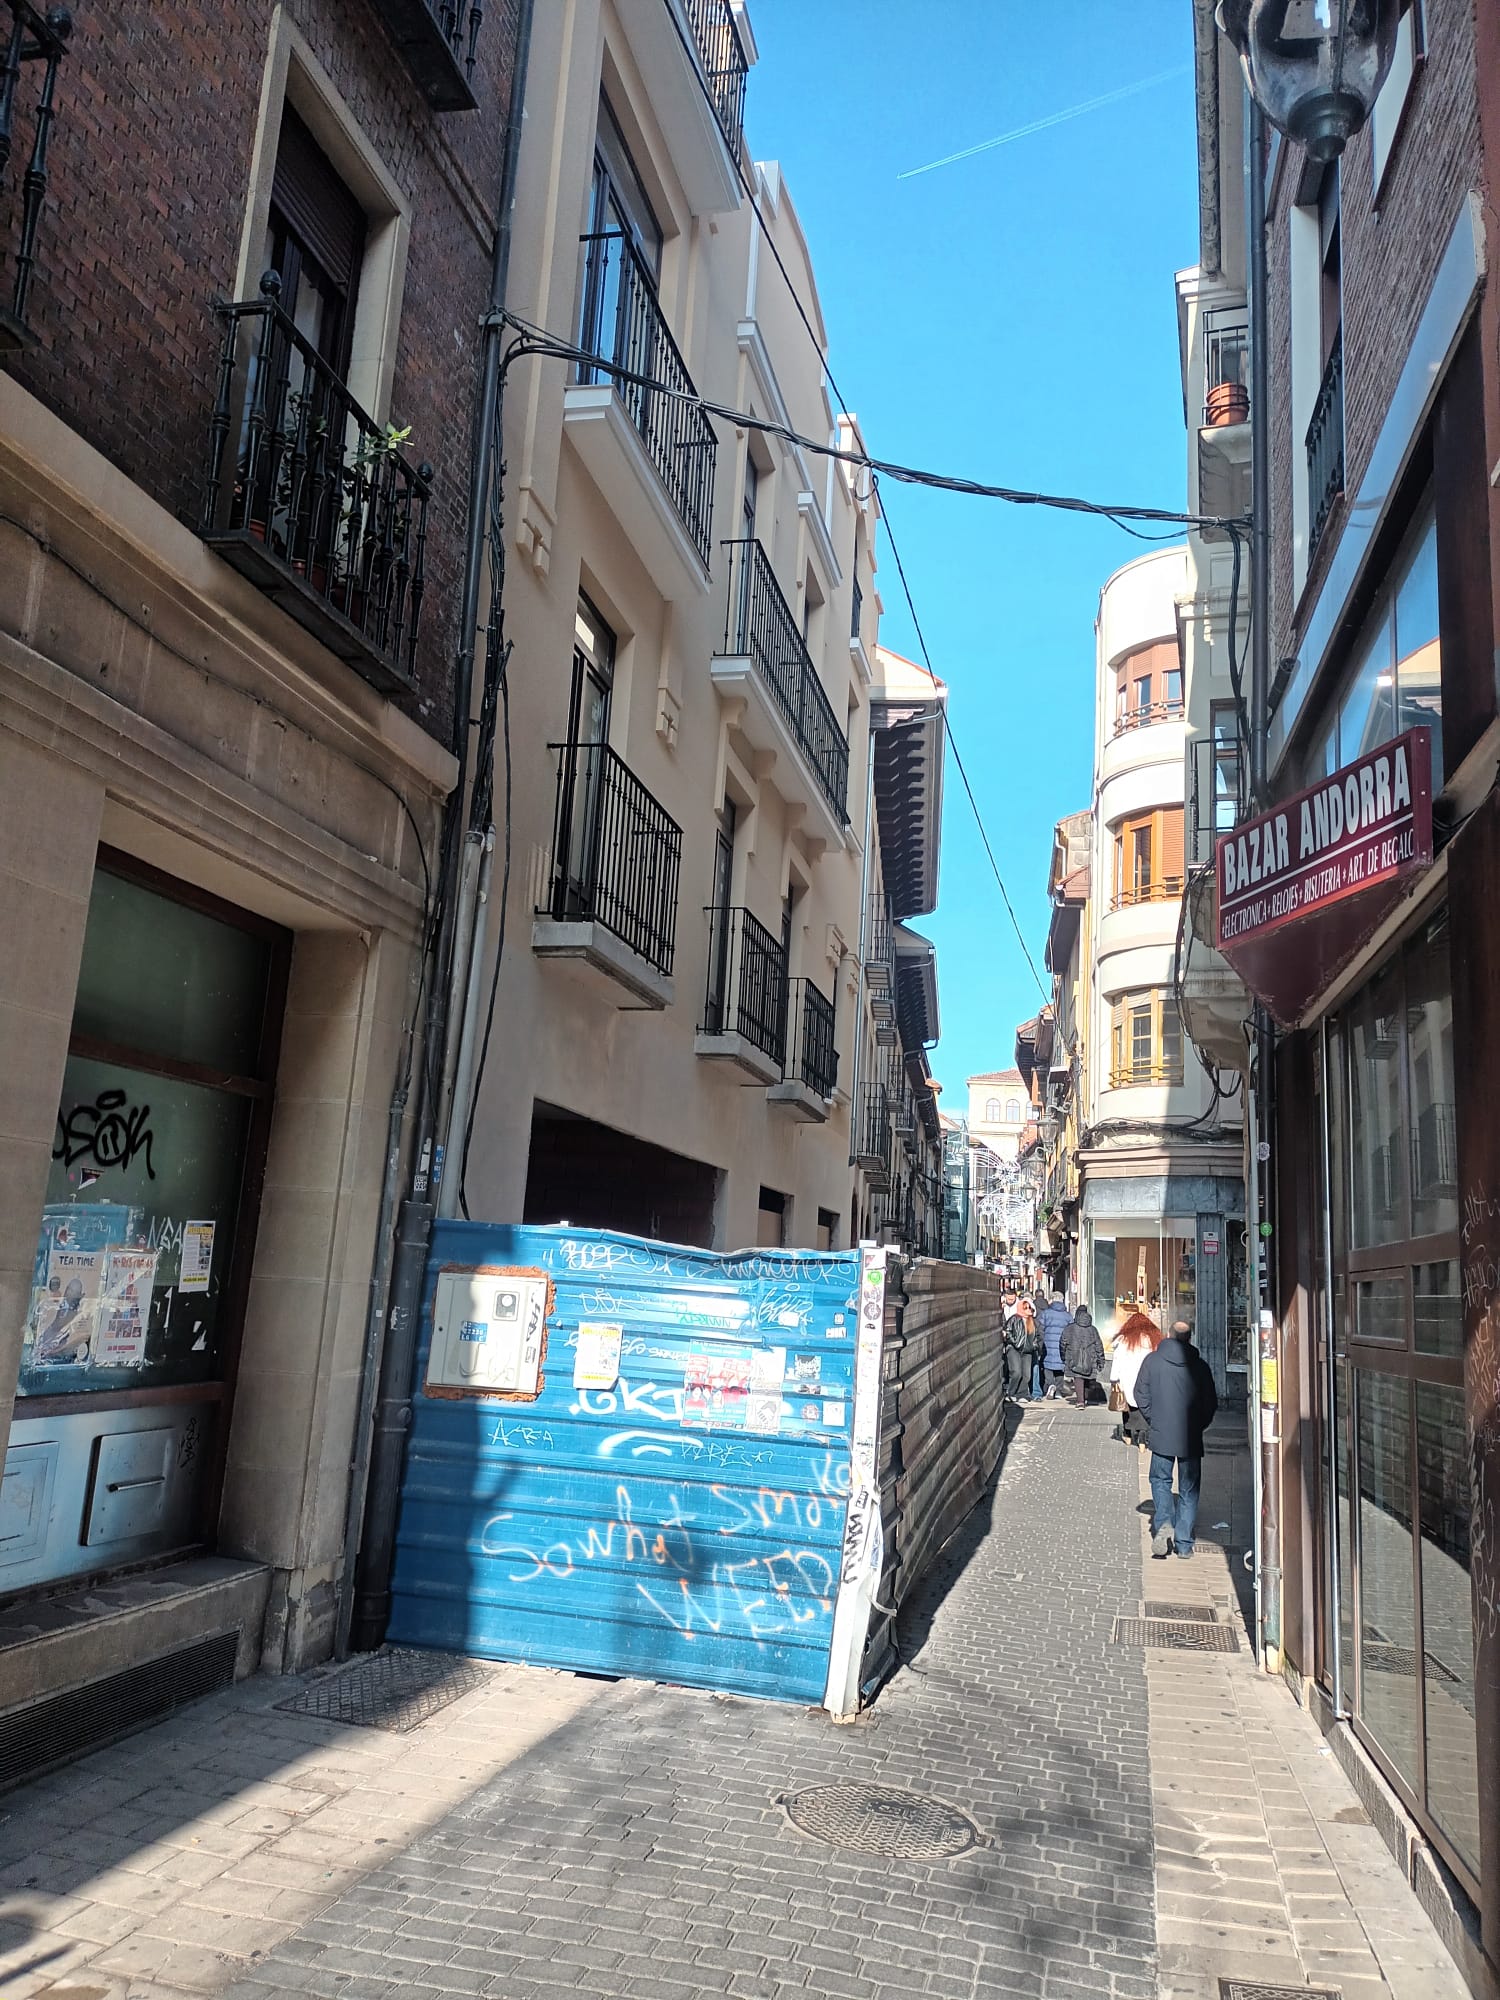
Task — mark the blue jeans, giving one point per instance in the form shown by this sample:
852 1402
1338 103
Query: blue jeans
1180 1514
1036 1377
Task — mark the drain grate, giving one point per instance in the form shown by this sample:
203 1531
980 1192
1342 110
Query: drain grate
874 1819
60 1727
1381 1658
1254 1989
396 1688
1193 1614
1183 1635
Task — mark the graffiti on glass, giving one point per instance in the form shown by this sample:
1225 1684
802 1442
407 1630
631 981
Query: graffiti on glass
110 1132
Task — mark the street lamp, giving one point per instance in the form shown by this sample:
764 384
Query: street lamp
1315 67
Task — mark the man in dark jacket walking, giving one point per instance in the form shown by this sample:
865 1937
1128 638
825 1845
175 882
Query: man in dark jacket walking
1083 1354
1175 1392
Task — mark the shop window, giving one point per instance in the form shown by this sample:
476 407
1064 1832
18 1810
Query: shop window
1146 1037
164 1105
1397 1443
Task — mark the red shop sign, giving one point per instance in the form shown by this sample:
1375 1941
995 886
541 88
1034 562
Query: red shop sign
1369 823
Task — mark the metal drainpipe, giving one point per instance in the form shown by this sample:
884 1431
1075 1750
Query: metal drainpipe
1266 1347
864 944
395 1354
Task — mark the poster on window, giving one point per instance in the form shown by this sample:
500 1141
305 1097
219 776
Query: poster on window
197 1256
123 1313
65 1309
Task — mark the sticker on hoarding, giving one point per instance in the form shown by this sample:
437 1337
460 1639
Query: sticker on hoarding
715 1388
1268 1432
1210 1246
596 1360
763 1414
197 1256
833 1415
807 1370
1269 1381
124 1312
789 1318
809 1413
767 1371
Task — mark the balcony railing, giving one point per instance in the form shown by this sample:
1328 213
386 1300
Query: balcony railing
1146 713
724 64
437 39
880 948
1131 894
872 1129
1226 366
1325 447
27 36
622 322
616 853
811 1056
1147 1069
746 989
759 626
311 498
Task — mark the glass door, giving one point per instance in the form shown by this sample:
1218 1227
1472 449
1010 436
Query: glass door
1398 1446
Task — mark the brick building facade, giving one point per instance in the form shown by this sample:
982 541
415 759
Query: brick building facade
1384 423
229 609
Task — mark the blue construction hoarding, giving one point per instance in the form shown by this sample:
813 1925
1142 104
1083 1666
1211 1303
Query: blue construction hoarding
632 1458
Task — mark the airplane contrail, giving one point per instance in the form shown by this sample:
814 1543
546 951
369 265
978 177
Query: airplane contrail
1054 118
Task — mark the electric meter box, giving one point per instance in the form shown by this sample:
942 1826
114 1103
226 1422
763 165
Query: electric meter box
488 1333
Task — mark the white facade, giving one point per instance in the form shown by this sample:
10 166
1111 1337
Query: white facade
1159 1164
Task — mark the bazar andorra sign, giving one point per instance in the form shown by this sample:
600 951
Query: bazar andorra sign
1367 825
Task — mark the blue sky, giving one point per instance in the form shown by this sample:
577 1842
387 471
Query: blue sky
1009 317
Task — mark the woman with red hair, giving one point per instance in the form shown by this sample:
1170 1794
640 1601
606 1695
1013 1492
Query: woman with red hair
1136 1338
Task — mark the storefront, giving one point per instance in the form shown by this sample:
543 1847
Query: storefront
132 1334
1171 1245
1371 947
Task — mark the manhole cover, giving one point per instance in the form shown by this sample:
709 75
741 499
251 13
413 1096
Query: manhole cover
394 1689
1177 1634
1194 1614
877 1820
1252 1989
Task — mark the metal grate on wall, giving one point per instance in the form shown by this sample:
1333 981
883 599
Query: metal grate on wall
62 1727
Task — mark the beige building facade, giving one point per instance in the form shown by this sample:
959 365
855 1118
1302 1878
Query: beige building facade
683 1010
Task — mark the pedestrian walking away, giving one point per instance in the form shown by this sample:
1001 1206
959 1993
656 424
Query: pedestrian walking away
1022 1345
1137 1338
1083 1354
1175 1392
1053 1323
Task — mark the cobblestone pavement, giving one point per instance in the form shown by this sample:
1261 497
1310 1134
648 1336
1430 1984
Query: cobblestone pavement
550 1835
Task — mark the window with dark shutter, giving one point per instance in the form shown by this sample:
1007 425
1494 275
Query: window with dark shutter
316 241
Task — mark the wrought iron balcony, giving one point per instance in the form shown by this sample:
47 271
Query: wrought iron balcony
1130 895
872 1133
437 40
1145 713
745 994
1325 447
622 322
1226 366
27 36
616 854
880 954
811 1057
759 626
312 499
724 65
